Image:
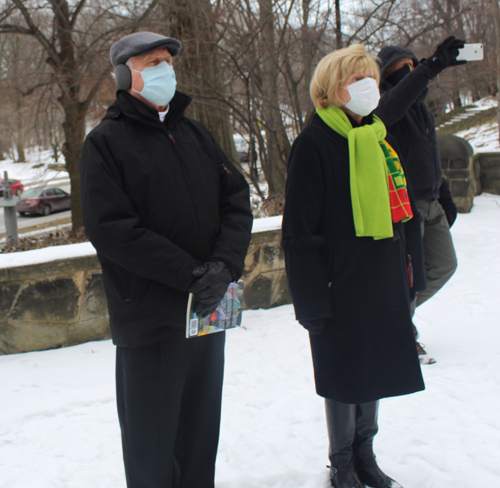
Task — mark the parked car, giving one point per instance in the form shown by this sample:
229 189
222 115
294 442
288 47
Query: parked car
15 185
43 201
242 148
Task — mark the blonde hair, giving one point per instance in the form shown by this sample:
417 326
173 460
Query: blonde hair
334 70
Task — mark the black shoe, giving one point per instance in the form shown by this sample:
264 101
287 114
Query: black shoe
372 476
344 478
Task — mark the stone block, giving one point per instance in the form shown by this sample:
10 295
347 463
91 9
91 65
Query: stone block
477 177
24 337
457 174
48 301
274 256
252 263
488 160
489 178
464 204
267 291
461 188
281 294
490 183
454 147
8 292
258 293
94 303
459 164
94 330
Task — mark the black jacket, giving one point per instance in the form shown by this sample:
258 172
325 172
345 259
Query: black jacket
158 199
403 111
359 285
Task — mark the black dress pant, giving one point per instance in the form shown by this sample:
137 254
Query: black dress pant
169 403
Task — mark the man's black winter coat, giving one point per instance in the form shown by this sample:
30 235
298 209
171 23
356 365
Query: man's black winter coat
158 199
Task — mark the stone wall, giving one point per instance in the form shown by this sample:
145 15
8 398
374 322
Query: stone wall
264 275
53 304
489 174
459 169
62 303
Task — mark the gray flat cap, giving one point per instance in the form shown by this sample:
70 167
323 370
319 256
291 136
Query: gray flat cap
141 43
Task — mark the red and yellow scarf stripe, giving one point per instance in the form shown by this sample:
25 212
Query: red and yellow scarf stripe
398 192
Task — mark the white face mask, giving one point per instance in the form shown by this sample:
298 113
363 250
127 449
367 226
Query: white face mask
159 83
365 96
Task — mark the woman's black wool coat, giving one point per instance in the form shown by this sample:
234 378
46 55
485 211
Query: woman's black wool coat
367 349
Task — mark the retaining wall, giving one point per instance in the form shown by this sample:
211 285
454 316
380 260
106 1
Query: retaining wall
59 301
489 173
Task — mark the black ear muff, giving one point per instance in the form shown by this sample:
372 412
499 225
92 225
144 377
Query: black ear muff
123 77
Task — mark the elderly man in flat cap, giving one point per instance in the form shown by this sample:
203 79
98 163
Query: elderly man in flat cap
168 214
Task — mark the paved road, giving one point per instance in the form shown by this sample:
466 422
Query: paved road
26 221
34 220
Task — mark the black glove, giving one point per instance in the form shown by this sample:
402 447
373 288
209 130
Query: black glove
209 287
446 55
314 327
446 201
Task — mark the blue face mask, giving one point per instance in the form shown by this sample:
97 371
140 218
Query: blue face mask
159 83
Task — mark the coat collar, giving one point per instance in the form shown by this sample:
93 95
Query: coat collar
132 107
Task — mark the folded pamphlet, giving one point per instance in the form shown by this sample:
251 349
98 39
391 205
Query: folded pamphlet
228 314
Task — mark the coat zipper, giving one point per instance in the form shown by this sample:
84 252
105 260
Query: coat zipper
172 139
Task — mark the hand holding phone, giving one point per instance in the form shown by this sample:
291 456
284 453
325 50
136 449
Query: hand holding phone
471 52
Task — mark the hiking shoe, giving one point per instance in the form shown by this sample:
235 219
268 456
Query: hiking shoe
423 357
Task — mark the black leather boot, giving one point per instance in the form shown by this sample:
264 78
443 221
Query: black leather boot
366 466
341 423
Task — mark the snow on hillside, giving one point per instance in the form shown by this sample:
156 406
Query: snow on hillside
35 171
483 138
59 426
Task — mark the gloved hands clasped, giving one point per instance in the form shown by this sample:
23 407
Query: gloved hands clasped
209 287
446 55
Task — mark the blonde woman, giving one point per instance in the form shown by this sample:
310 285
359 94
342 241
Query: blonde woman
349 229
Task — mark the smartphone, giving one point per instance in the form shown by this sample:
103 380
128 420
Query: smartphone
471 52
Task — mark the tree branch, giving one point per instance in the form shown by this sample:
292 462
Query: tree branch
14 29
76 12
34 31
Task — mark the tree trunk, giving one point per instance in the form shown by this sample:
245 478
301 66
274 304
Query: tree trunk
277 143
338 25
21 157
75 67
458 30
307 59
495 10
199 70
74 134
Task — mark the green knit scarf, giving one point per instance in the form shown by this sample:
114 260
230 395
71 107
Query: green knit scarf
371 206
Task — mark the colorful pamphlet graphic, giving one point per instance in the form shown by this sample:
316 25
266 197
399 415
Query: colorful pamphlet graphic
228 314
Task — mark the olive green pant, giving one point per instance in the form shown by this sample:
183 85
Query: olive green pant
439 253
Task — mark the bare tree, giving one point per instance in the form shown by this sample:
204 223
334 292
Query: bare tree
74 37
199 68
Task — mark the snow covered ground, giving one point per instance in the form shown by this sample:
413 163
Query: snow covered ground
35 171
59 428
